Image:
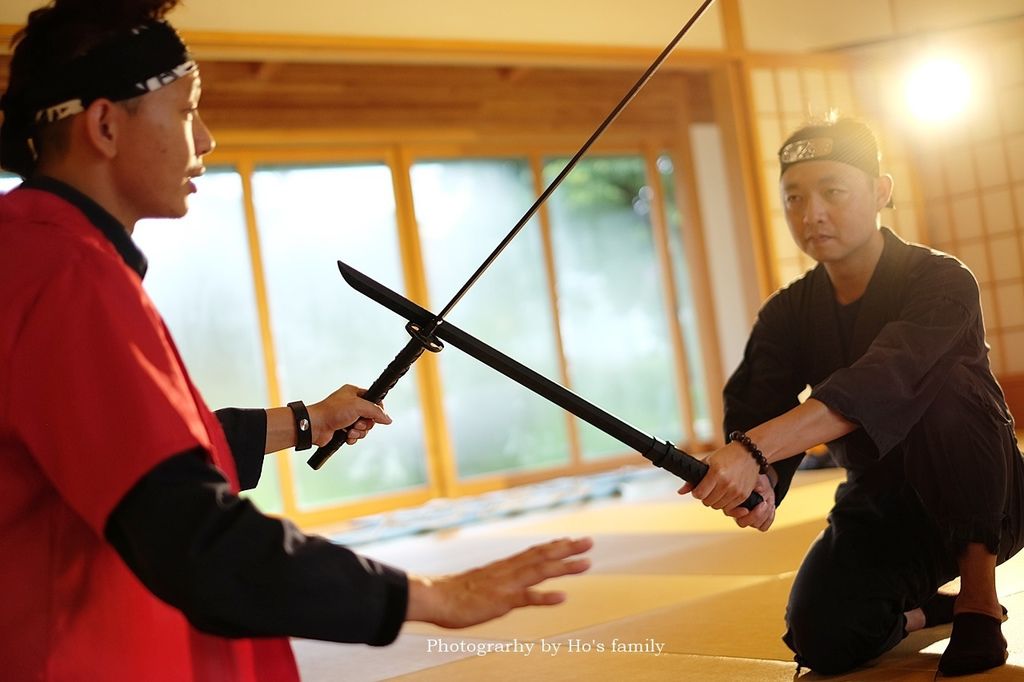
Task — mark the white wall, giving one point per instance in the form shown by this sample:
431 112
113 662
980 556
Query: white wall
804 25
770 25
910 16
646 23
724 238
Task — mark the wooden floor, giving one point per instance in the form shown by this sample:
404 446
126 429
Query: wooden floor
676 592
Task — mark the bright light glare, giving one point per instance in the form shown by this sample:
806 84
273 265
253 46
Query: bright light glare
938 90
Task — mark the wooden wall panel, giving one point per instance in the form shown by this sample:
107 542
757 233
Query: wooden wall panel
490 101
475 102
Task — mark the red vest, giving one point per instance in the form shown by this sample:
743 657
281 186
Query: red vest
93 395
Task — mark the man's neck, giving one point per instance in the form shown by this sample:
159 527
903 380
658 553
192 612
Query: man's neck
94 184
850 277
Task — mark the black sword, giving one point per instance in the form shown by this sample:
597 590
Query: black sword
661 453
423 337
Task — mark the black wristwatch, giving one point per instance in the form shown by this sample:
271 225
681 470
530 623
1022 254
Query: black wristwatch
303 426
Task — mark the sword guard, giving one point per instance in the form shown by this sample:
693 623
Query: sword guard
431 343
419 342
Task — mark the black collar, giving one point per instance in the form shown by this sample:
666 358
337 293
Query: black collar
99 217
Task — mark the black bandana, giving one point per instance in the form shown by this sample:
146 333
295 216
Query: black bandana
845 140
139 61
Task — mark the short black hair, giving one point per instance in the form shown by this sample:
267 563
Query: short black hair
53 37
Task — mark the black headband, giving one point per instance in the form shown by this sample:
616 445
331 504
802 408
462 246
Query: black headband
130 64
846 140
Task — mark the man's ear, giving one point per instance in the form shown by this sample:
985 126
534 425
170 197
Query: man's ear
102 121
883 191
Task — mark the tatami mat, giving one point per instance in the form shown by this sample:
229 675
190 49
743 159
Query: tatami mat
329 662
676 592
744 622
610 666
808 501
598 599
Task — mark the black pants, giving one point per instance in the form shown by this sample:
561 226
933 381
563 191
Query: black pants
897 527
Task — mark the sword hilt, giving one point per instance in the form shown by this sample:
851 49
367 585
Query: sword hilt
395 370
686 467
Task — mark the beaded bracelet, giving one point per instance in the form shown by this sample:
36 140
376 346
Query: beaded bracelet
744 440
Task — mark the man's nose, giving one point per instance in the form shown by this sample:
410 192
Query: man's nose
814 209
204 142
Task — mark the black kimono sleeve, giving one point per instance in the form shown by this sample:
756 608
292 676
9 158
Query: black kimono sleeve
889 388
246 432
235 572
767 382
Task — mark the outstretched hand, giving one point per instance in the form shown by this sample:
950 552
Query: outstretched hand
345 408
481 594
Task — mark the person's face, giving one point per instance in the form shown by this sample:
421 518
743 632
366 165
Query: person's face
832 208
162 150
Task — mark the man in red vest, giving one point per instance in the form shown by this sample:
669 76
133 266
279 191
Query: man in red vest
125 551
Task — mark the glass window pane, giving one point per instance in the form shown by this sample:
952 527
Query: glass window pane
200 277
610 298
325 334
8 182
464 208
703 429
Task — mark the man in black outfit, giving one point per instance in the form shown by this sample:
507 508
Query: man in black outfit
890 337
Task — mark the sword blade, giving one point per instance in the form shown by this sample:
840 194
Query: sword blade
660 453
495 359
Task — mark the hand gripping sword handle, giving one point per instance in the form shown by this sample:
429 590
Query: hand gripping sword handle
686 467
395 370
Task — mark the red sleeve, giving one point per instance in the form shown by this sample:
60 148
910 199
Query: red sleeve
98 395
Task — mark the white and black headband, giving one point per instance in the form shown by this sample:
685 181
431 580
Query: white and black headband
133 63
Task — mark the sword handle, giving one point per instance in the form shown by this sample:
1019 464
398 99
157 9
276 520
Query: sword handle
686 467
395 370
